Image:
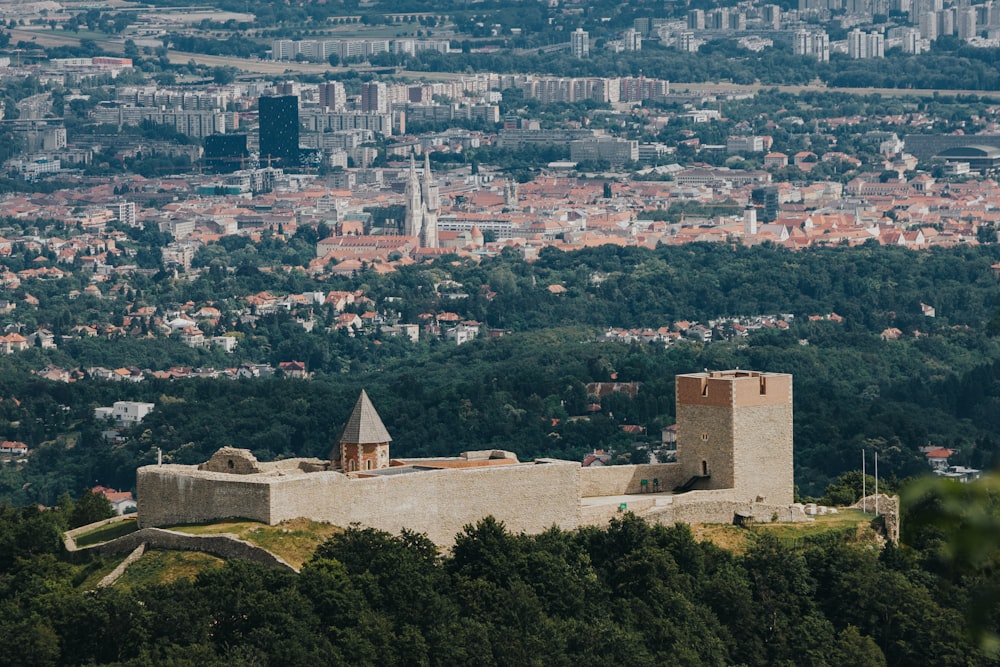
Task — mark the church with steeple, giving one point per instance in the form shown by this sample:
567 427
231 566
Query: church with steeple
422 203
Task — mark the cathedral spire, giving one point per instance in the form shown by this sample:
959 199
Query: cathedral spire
414 204
429 191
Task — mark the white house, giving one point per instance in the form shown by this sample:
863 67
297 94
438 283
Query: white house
125 412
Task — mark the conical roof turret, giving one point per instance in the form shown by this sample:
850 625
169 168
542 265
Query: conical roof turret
364 426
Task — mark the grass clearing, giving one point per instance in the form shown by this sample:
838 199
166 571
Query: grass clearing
107 533
295 541
736 539
825 523
91 573
217 528
164 567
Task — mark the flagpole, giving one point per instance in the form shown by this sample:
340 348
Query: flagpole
864 490
876 482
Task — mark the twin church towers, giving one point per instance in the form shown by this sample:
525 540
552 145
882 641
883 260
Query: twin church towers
422 203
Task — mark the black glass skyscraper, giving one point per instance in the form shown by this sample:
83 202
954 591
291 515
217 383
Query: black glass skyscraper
279 129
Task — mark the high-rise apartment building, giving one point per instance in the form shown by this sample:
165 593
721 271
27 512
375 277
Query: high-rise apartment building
966 23
687 42
911 42
821 46
332 96
632 40
579 43
771 15
374 97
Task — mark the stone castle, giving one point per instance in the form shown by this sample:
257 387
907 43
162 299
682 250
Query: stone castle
734 458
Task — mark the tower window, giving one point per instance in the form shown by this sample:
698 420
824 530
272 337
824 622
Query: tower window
704 437
230 464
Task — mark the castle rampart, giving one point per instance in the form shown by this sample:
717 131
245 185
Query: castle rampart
529 497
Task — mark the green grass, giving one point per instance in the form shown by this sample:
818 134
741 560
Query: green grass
827 523
852 524
217 528
163 567
106 533
294 541
91 573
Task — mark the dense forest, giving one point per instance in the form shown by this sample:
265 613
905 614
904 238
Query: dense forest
627 594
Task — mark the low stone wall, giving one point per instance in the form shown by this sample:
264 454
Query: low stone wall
223 546
621 480
116 573
69 537
601 514
723 511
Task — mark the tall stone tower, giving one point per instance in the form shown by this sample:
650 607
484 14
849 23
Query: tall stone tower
431 203
734 431
413 223
364 442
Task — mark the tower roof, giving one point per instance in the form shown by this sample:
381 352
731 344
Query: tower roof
364 426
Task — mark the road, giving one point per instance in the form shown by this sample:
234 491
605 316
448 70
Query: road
271 68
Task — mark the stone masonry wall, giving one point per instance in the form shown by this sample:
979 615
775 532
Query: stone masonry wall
722 511
888 509
762 453
621 480
174 494
705 434
527 497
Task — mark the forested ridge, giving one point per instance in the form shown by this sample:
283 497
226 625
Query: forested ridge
627 594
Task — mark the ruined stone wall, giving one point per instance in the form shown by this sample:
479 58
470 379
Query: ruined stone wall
232 460
762 453
174 494
529 498
888 508
621 480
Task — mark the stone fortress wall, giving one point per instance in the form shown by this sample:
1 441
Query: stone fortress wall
622 480
734 441
528 497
